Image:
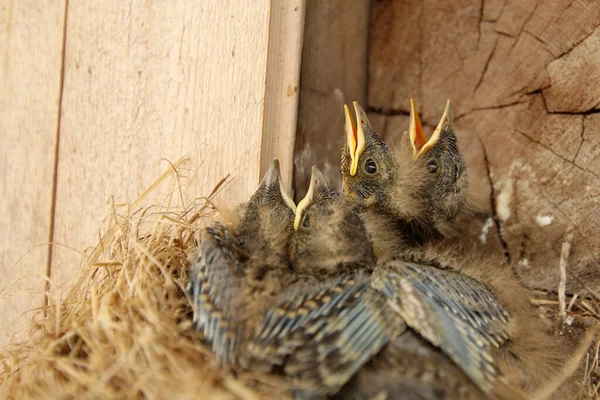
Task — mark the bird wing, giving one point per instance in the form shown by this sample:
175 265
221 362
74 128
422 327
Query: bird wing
410 367
322 333
450 310
214 280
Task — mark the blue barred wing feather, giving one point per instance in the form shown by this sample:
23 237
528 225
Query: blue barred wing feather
215 279
320 334
450 310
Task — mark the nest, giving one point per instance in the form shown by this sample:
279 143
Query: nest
124 329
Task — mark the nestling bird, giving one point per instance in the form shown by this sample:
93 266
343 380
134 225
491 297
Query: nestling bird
237 270
410 195
534 354
410 368
418 193
321 332
324 327
328 236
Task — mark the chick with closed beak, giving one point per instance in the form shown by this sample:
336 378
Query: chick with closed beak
238 270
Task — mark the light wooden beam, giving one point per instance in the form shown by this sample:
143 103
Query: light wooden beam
146 82
281 93
143 84
31 39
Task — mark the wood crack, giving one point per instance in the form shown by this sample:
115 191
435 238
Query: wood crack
582 139
498 107
493 204
543 145
558 155
485 67
479 22
540 91
387 111
529 18
577 44
56 154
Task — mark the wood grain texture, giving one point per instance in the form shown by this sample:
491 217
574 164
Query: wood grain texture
523 79
334 72
147 81
31 39
281 93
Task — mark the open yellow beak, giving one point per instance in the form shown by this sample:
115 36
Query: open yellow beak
316 178
418 140
355 136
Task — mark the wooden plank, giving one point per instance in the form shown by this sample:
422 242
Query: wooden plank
334 72
283 73
31 39
146 81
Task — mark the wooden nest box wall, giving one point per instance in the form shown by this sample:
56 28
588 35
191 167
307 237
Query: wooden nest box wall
522 77
95 96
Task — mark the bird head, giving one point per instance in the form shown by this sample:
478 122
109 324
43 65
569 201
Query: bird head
423 181
329 237
267 219
368 166
439 168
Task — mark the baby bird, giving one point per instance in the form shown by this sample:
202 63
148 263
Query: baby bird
328 236
323 328
321 332
237 270
410 368
410 195
418 193
529 353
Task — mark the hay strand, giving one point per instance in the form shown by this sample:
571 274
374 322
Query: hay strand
123 329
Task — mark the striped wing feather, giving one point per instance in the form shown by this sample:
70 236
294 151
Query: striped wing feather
450 310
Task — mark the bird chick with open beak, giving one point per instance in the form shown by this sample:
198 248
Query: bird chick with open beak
238 270
321 332
407 196
417 193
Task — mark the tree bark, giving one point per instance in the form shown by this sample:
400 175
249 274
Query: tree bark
523 78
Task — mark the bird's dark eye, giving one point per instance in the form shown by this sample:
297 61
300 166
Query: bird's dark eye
370 166
432 166
305 221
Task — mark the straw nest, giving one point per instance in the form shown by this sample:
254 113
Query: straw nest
124 330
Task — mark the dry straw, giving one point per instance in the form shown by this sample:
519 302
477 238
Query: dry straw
123 329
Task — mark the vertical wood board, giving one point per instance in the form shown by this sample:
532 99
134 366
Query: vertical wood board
31 39
145 83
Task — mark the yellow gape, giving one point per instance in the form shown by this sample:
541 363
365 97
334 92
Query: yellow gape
355 136
419 142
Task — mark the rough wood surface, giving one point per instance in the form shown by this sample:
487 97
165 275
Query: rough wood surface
145 83
281 93
523 77
31 43
334 72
